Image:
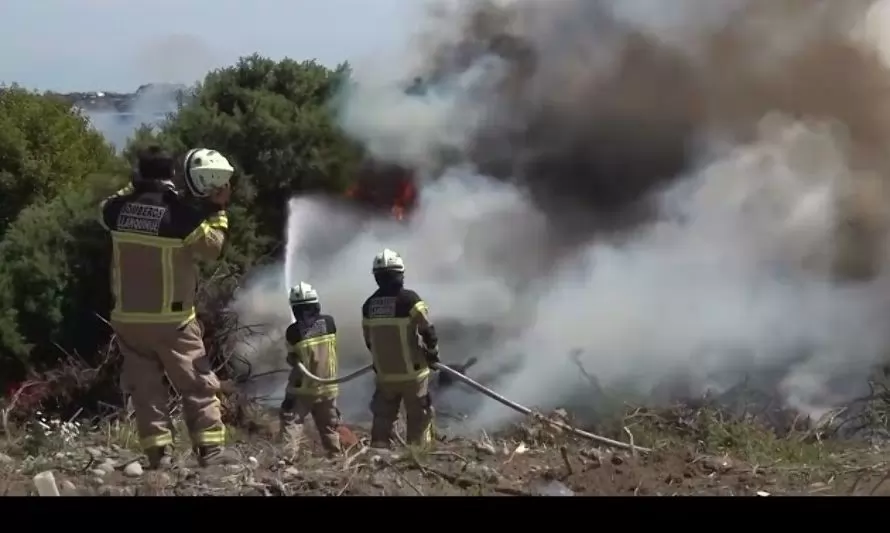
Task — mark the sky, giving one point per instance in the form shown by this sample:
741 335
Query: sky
117 45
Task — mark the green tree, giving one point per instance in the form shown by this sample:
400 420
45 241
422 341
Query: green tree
274 121
45 148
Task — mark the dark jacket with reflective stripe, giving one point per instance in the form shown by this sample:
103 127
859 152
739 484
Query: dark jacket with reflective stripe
391 323
315 345
156 239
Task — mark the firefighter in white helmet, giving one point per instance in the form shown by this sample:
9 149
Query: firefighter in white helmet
311 340
156 236
392 319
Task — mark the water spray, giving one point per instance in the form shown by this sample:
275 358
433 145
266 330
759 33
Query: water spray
290 246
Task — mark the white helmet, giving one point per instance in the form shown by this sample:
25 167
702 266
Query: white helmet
303 293
206 170
388 260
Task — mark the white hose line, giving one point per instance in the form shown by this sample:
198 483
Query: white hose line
337 380
526 411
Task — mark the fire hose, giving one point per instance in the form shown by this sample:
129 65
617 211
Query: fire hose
491 394
334 381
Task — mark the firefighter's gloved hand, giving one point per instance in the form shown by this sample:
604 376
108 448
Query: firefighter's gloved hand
432 355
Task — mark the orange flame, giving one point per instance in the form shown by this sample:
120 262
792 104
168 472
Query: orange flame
399 206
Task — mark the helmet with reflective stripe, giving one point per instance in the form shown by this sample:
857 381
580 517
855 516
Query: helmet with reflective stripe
388 261
303 293
206 170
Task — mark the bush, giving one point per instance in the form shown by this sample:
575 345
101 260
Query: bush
54 277
45 148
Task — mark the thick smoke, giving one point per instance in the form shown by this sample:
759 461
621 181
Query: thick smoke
672 197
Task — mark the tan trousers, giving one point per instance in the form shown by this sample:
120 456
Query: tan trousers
150 351
323 409
419 412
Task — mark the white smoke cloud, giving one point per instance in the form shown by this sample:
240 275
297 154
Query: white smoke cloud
734 277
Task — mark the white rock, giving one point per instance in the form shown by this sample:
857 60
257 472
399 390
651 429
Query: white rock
68 487
106 467
291 471
45 482
5 459
133 470
253 462
98 472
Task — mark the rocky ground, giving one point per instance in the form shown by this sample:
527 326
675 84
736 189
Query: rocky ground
695 453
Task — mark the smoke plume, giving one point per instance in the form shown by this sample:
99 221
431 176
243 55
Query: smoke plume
675 197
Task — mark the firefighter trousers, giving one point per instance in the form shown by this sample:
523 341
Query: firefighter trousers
323 409
385 404
152 350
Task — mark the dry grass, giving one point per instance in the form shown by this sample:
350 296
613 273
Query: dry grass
700 449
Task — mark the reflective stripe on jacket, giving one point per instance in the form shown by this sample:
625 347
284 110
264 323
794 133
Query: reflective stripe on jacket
391 324
156 240
315 345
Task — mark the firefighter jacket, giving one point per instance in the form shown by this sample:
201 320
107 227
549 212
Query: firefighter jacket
156 239
313 343
391 322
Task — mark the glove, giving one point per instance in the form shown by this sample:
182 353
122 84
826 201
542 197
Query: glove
432 355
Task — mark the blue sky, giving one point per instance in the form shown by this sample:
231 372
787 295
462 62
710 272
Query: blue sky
116 45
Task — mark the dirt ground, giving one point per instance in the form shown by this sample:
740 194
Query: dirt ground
700 458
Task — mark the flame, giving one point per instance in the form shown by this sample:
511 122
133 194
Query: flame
404 200
399 205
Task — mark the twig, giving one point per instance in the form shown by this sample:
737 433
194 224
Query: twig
564 452
348 483
630 438
405 479
575 356
350 460
881 482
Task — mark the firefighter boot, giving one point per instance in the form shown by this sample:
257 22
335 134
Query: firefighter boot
210 455
158 457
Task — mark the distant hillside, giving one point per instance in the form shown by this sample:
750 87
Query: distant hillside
118 115
151 97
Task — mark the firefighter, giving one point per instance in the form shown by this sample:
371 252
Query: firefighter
392 318
157 234
311 340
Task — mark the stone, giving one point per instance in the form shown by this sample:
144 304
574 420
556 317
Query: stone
133 470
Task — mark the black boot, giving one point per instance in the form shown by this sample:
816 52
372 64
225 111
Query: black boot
215 454
159 457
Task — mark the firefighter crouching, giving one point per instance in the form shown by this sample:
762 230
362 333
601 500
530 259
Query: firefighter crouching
392 318
157 234
311 340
